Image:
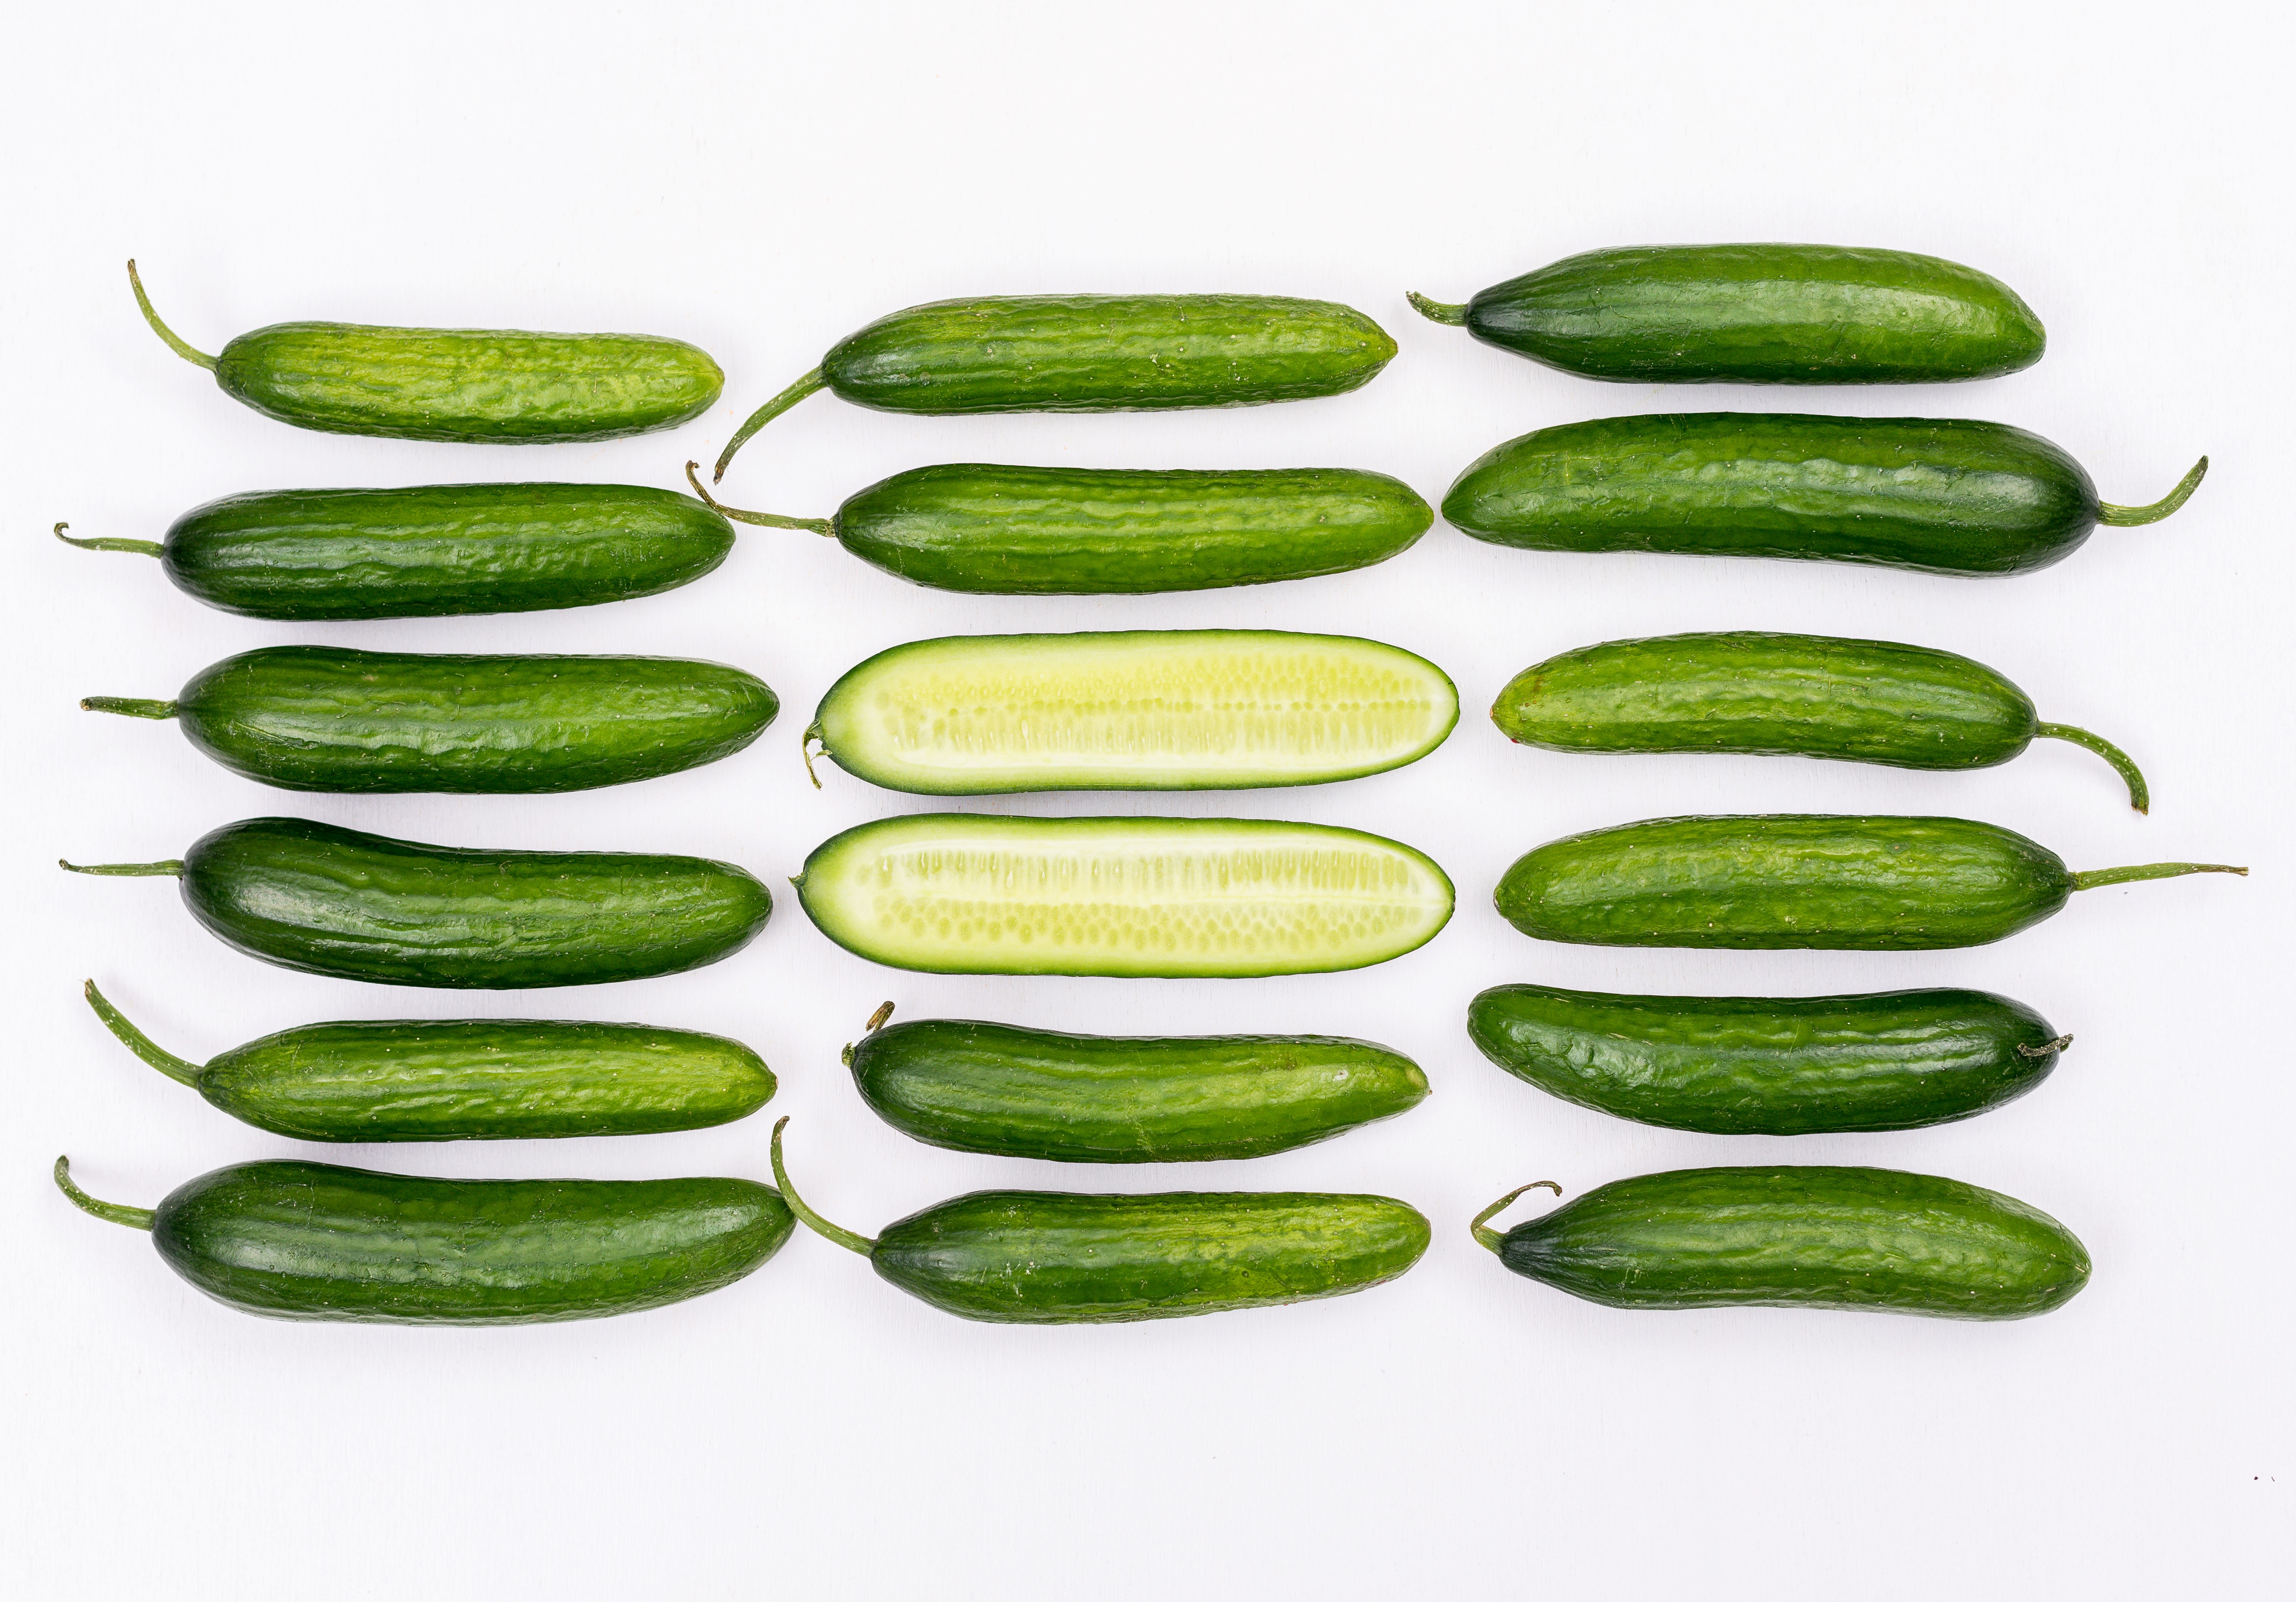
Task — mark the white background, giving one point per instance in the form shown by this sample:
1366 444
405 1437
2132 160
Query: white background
761 180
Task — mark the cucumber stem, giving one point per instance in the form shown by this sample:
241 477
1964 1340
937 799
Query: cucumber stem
135 1218
127 706
2130 517
2139 796
877 1018
805 749
175 1068
1436 311
2096 877
1491 1237
812 1220
161 329
139 547
173 867
2046 1048
765 414
763 519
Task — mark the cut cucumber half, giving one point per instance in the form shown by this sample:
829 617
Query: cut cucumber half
1160 710
1134 897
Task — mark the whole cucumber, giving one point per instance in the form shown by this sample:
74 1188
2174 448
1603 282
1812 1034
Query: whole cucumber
1958 497
1792 880
1851 1238
1806 695
433 551
496 386
1755 314
311 1240
1093 1098
352 905
1769 1064
319 717
468 1079
1053 1257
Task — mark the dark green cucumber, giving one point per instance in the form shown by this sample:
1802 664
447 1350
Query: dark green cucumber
319 717
1105 531
1804 695
468 1079
1755 314
1054 1257
1958 496
495 386
311 1240
1770 1064
351 905
1093 353
433 551
1093 1098
1803 1237
1793 880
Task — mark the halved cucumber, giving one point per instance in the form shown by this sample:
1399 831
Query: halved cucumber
1134 897
1143 709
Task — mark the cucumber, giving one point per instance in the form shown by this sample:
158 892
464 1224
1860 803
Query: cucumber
495 386
1054 1257
1958 497
1770 1064
311 1240
1851 1238
990 530
1798 880
1092 353
337 902
1093 1098
1805 695
433 551
468 1079
317 717
1133 897
1146 709
1755 314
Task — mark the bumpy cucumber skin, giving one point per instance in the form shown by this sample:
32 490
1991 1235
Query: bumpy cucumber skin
436 550
352 905
1786 881
1803 1237
499 386
989 530
1761 314
1958 497
1093 1098
312 717
1049 1257
485 1079
1802 695
1768 1064
1106 353
311 1240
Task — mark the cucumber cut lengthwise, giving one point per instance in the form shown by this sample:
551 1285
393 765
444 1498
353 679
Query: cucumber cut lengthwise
1131 898
1152 709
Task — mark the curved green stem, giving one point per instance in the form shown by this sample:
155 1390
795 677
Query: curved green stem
127 706
172 867
2139 797
139 547
135 1218
161 329
812 1220
1491 1237
1436 311
763 519
765 414
805 749
2046 1049
2129 517
175 1068
2096 877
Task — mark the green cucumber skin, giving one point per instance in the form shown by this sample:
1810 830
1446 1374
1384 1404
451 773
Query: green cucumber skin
437 551
1803 1237
494 386
1769 1064
1959 498
351 905
1049 1257
1761 314
1804 695
310 717
1093 1098
311 1240
991 530
1786 881
1105 352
